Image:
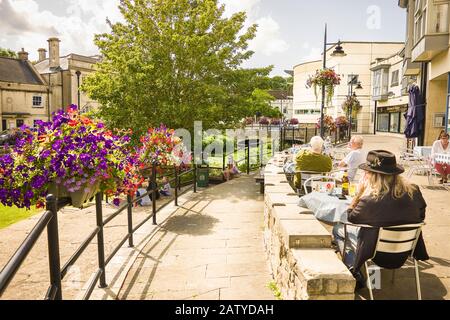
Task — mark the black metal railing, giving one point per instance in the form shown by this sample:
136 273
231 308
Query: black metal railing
49 221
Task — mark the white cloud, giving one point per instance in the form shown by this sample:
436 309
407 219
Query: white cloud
31 26
314 54
76 29
268 39
249 6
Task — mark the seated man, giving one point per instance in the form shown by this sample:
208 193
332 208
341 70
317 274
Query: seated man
312 160
355 158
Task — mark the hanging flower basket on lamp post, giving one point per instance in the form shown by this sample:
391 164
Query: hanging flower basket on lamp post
351 105
325 77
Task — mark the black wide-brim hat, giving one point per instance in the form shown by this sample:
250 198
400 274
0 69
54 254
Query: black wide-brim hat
382 161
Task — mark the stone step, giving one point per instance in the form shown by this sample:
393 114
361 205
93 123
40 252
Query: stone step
292 212
323 274
304 234
280 188
280 199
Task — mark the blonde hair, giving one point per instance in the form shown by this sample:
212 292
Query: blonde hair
380 185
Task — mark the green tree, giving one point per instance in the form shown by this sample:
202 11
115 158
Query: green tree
7 53
259 102
174 62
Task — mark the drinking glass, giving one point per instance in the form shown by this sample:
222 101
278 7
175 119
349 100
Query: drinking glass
352 190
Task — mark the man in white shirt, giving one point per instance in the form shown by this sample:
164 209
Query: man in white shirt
355 158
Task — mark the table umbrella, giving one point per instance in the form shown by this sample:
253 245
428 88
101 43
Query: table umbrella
416 113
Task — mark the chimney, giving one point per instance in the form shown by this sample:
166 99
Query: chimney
23 55
42 54
53 45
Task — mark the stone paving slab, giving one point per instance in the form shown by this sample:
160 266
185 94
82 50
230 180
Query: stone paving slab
215 237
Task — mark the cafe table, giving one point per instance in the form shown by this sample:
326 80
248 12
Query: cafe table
327 208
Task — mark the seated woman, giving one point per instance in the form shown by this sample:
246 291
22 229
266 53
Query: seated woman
385 199
441 146
312 160
165 190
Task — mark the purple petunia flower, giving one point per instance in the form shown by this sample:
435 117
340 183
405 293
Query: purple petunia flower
116 202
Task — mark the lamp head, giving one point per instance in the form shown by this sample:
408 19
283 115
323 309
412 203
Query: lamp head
338 51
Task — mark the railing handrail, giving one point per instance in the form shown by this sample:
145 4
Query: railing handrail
54 291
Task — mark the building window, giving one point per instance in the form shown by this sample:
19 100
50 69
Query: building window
394 123
37 102
354 78
383 122
4 124
395 78
402 122
377 83
19 123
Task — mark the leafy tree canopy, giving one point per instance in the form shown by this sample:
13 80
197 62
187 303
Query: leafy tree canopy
174 62
7 53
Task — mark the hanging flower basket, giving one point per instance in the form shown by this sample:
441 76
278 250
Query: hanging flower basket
325 77
162 147
78 197
73 152
352 103
342 122
328 124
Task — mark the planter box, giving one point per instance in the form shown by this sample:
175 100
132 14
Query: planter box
78 198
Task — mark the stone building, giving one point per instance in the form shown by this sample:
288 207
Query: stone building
24 94
354 66
30 92
426 55
64 75
390 94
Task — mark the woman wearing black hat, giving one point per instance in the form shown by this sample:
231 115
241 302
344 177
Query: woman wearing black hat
384 199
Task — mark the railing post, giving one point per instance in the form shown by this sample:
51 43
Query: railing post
155 189
100 239
53 246
130 221
195 177
176 186
224 156
248 158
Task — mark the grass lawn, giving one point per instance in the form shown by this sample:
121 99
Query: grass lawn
9 216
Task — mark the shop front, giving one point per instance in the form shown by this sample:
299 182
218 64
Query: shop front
392 119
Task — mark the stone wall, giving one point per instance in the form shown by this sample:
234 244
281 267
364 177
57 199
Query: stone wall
303 264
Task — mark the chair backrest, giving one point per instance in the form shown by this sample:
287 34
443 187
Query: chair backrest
320 177
398 239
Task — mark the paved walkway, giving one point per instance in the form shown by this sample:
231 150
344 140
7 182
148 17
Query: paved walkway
210 249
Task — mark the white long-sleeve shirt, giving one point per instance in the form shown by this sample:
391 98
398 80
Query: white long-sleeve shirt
438 148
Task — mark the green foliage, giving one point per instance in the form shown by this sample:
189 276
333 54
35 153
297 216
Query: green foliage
260 102
174 62
276 292
7 53
12 215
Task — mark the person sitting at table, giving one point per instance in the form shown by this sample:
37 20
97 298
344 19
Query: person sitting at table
441 146
385 199
312 160
355 158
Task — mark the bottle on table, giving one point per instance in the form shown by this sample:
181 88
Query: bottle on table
345 184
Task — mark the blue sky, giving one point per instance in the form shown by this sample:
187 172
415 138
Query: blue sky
290 31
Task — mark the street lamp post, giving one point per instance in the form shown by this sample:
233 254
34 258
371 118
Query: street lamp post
351 93
339 52
78 73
